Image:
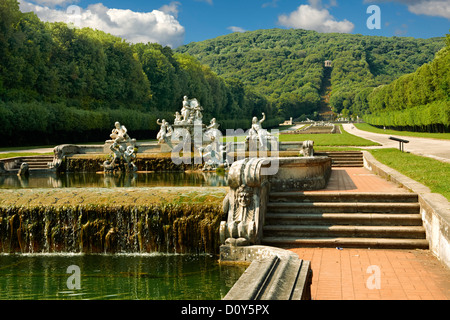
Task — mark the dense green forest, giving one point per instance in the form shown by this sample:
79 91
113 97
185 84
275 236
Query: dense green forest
64 85
287 66
419 101
60 84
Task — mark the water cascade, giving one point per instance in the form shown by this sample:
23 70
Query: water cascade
174 227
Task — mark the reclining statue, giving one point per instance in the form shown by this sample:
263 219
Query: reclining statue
257 133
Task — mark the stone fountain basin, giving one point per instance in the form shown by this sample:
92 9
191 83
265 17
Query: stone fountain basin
301 173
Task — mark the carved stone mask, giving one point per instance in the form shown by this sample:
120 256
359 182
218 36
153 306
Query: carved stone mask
244 196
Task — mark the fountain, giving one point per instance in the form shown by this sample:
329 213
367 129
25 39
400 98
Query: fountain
217 220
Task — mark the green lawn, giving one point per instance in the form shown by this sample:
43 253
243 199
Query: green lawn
344 139
24 148
368 127
432 173
22 154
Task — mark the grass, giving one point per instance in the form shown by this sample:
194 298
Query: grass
344 139
2 149
369 128
432 173
22 154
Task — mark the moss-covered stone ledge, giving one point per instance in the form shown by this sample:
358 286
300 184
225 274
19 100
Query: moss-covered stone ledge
96 220
144 162
157 161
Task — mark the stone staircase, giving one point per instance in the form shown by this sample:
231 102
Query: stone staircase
344 158
34 162
344 220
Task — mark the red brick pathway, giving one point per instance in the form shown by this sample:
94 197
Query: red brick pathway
342 274
404 274
359 180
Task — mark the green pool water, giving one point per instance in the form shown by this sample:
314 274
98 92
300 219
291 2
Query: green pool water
120 276
99 180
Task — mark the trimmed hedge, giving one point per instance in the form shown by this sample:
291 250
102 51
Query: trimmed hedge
433 117
47 123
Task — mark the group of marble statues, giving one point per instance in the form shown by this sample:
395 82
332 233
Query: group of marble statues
122 150
203 139
188 128
189 122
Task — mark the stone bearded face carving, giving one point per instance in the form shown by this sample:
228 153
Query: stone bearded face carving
244 195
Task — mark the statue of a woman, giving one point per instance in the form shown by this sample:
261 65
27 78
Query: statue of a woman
186 110
212 130
257 131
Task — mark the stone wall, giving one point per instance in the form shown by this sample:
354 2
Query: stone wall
434 208
144 162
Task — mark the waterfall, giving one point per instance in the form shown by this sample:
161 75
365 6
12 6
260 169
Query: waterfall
171 228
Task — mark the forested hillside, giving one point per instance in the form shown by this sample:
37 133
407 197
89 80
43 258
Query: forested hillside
287 66
419 101
64 85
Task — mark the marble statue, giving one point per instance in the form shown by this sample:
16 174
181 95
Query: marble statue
165 132
120 157
178 118
257 133
186 110
196 110
214 155
119 133
212 130
307 148
129 155
191 112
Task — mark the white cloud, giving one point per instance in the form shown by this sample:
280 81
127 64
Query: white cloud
54 3
432 8
317 4
171 8
312 17
156 26
236 29
435 8
207 1
272 4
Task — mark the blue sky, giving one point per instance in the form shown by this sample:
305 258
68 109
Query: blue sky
179 22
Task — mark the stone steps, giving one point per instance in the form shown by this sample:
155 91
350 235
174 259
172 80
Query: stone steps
358 219
34 162
308 197
344 158
327 219
345 207
338 231
375 243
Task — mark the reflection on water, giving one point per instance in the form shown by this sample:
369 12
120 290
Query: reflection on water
150 277
75 180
